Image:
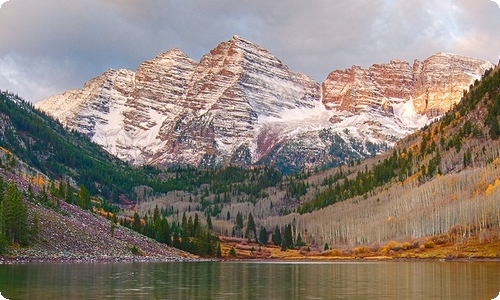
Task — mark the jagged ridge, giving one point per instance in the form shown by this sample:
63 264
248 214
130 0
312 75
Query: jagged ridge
241 105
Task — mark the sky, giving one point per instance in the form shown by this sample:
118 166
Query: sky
50 46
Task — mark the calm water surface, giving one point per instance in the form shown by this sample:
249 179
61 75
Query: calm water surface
252 280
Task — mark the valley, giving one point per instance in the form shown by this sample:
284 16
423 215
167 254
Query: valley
429 193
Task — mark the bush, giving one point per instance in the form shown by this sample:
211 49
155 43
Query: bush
136 251
361 250
429 244
393 245
232 252
406 246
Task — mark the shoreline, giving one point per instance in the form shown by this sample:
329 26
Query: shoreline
145 259
84 260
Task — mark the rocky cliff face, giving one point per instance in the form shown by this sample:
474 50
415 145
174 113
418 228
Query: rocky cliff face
241 105
433 85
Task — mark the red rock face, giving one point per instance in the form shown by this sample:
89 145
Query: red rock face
434 85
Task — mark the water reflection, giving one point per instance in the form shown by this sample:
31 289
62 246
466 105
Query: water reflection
247 280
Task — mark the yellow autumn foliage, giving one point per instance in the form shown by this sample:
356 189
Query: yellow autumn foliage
492 187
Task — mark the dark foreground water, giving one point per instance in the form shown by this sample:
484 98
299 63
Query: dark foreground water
252 280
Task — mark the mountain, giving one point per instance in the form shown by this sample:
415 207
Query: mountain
241 105
440 183
47 148
437 186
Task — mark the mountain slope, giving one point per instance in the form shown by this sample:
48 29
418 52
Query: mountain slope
62 232
240 105
439 183
47 147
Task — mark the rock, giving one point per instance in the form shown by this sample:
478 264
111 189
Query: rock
241 105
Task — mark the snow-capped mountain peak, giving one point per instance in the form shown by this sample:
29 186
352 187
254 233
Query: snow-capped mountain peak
240 105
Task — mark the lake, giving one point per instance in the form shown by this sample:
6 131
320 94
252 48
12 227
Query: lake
253 280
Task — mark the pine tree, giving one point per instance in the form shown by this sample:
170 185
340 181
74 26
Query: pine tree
263 235
239 221
209 222
3 243
238 226
61 190
136 224
219 250
251 231
299 242
277 236
190 226
14 216
112 227
156 214
232 252
68 197
288 237
176 239
84 198
2 189
42 196
52 189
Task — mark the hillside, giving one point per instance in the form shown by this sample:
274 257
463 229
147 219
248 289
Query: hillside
61 232
441 181
46 146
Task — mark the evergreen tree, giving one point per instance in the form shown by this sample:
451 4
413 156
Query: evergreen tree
84 198
53 190
112 227
68 197
3 243
184 221
219 250
196 225
288 237
185 244
156 214
190 226
14 216
31 195
239 221
232 252
251 231
2 189
276 238
61 190
136 223
42 196
299 243
176 239
238 226
163 231
209 222
263 235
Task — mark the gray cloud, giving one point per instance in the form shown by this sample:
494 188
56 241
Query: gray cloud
50 46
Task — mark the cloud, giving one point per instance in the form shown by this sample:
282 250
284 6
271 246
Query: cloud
53 45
